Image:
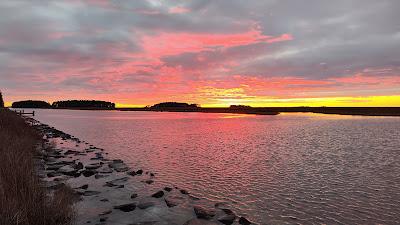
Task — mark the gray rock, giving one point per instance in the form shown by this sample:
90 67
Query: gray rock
126 207
145 204
105 213
98 176
167 189
184 192
172 200
88 173
104 170
244 221
134 195
119 166
204 213
84 186
91 193
149 181
227 219
116 182
158 194
53 174
200 222
93 166
54 167
132 173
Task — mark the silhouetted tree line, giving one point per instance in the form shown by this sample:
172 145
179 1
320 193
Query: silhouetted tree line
173 105
31 104
1 100
84 104
240 107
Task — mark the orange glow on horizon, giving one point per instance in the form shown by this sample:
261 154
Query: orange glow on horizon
366 101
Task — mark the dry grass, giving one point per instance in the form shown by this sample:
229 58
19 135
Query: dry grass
23 198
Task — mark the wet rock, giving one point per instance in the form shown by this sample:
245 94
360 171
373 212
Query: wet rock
244 221
105 213
119 167
145 223
117 161
105 170
200 222
204 213
53 174
66 169
167 189
116 182
54 167
227 219
145 204
149 181
71 152
228 211
134 195
84 186
78 166
91 193
132 173
194 198
93 166
98 176
158 194
172 200
55 185
88 173
184 192
126 207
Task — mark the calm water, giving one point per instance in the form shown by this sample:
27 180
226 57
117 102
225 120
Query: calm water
293 168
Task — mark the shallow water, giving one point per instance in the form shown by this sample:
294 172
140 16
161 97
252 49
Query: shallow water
290 168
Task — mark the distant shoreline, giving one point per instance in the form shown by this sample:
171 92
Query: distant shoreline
355 111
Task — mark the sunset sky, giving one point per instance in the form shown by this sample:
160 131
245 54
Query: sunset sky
210 52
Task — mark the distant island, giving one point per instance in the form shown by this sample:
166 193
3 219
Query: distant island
31 104
69 104
173 106
83 104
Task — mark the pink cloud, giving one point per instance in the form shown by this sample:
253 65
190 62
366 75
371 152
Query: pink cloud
164 43
178 10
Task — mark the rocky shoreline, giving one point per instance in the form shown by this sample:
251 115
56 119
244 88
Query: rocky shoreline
107 191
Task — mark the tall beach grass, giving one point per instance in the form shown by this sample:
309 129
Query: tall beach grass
24 199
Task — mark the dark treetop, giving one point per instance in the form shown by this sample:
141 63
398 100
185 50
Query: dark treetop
31 104
173 105
91 104
1 101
